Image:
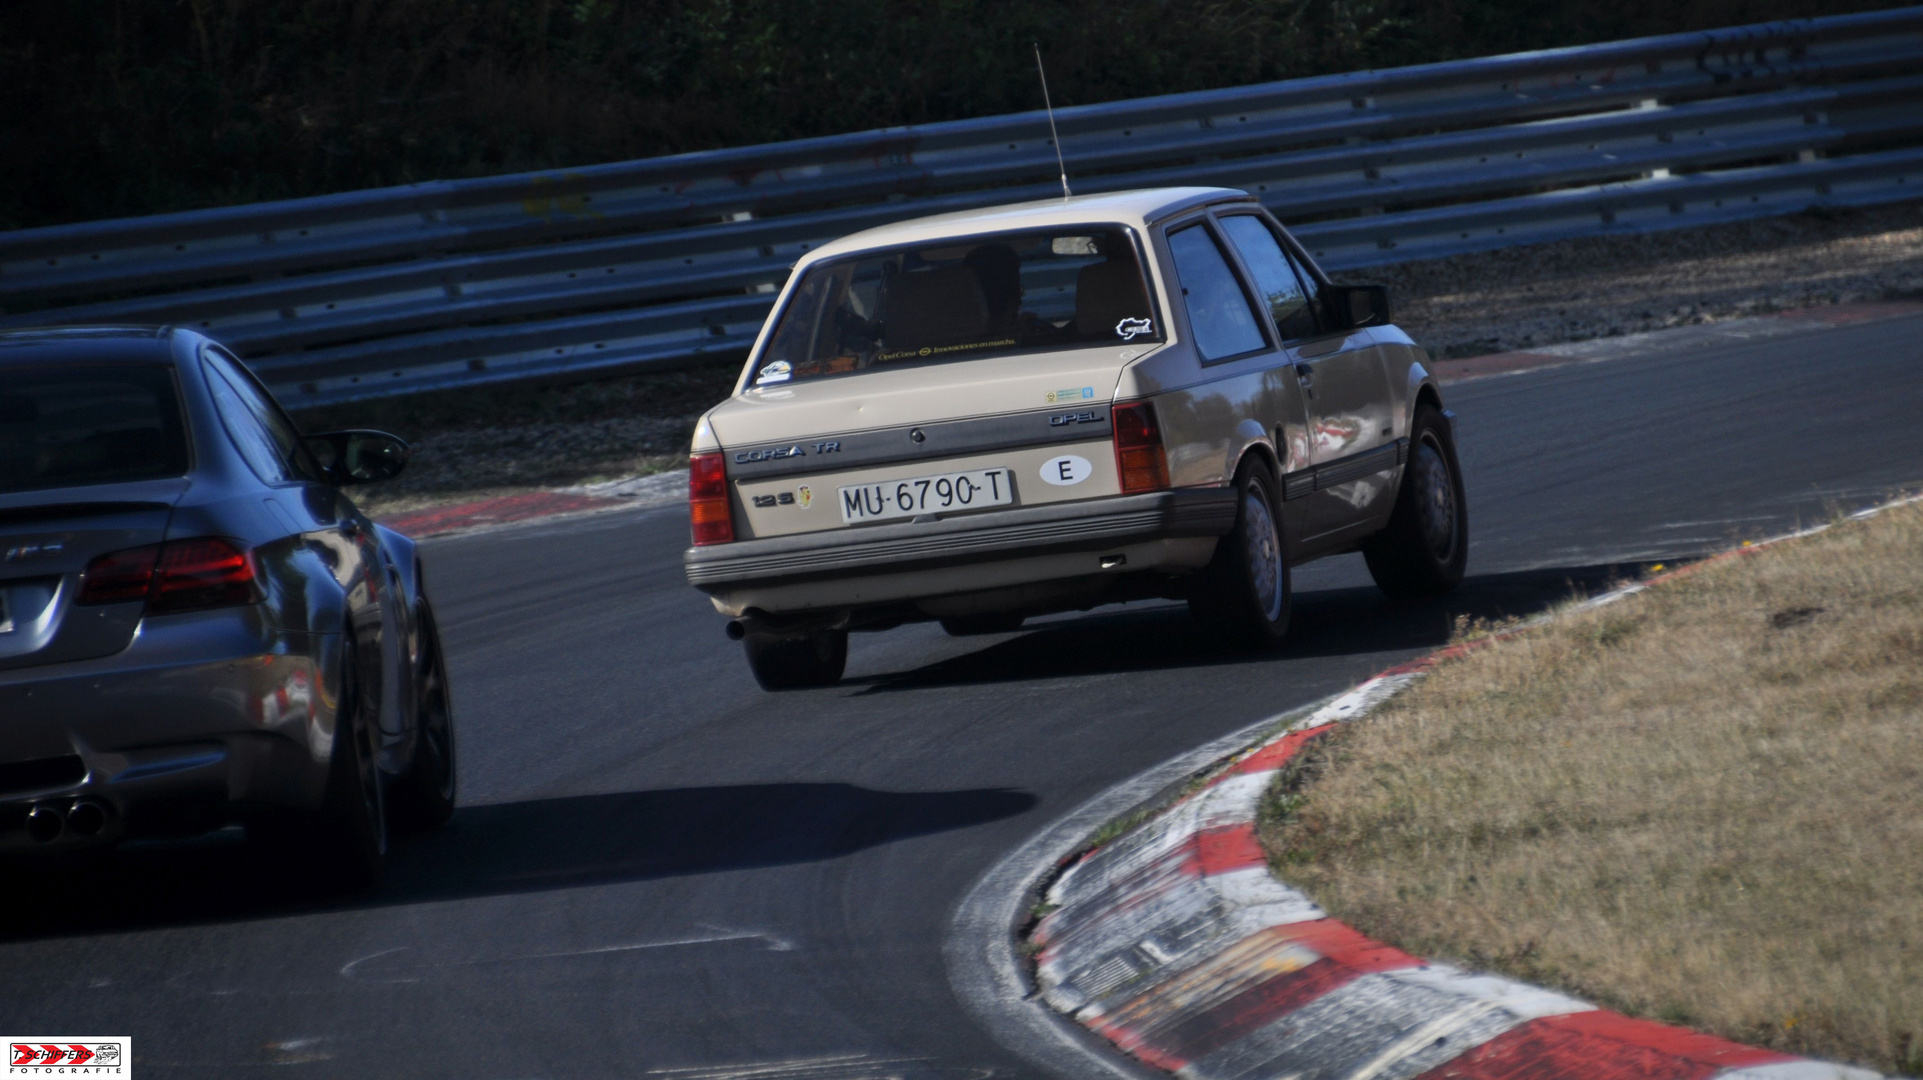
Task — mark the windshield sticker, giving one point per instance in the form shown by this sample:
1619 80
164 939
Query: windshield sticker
779 371
938 350
1071 394
1127 329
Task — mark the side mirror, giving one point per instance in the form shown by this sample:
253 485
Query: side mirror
1359 305
359 457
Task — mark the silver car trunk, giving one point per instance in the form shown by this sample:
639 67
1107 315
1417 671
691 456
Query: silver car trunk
46 541
791 449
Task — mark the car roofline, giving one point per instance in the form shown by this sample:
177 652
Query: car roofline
1183 206
89 344
1143 207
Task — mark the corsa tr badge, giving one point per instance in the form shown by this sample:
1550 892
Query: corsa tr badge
69 1055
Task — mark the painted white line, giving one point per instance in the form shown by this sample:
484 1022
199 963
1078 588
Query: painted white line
654 489
823 1067
352 969
1803 1069
1359 701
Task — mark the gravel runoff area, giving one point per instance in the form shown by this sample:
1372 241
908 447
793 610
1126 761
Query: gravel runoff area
495 441
1697 804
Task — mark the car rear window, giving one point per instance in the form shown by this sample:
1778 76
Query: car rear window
961 298
89 424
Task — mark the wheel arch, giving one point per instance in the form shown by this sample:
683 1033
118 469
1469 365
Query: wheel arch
404 558
1262 452
1426 393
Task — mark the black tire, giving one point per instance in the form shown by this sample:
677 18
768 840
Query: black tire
998 622
423 796
797 662
1243 593
350 832
1425 548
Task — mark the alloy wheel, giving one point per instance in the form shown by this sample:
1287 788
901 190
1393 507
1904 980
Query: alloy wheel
436 723
1435 492
1264 552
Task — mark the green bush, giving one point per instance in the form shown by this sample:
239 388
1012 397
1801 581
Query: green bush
120 107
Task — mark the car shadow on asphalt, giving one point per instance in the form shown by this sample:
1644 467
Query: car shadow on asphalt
1332 622
531 846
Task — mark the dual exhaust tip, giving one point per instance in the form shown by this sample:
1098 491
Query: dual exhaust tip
81 818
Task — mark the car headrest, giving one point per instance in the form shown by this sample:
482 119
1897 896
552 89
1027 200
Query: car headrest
1106 293
999 270
942 306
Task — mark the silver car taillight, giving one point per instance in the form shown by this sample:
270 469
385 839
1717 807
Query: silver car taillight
179 575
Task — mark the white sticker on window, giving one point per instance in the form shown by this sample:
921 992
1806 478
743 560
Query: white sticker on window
1065 470
773 373
1127 329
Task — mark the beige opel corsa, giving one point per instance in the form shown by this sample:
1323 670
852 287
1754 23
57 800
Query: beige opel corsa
984 416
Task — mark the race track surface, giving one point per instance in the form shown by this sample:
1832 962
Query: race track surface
661 871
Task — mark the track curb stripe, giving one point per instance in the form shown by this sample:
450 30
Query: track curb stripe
633 492
497 511
1175 943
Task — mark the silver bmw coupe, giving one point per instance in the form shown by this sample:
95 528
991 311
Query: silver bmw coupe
197 625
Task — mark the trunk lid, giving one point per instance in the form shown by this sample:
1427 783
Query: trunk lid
47 538
795 451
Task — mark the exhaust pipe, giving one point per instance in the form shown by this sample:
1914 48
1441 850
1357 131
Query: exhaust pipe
86 818
45 823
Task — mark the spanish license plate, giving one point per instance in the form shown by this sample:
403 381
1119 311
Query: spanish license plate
927 495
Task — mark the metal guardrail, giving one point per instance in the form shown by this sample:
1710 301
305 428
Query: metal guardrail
668 260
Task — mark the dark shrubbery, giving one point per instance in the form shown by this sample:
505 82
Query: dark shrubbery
119 107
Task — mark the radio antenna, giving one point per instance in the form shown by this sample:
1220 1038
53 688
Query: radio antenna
1052 133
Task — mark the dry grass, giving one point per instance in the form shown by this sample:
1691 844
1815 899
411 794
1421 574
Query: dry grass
1699 804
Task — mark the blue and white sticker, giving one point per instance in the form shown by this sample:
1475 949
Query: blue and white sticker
779 371
1066 470
1128 329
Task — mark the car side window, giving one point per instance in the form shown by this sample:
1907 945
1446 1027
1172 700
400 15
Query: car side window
1312 288
249 437
269 441
1219 314
1276 277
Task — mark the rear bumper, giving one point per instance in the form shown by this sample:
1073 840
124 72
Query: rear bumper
191 724
1170 530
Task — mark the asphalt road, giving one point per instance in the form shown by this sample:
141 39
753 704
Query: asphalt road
660 870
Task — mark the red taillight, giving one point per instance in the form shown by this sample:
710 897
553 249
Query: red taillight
708 511
1139 459
179 575
202 573
120 576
